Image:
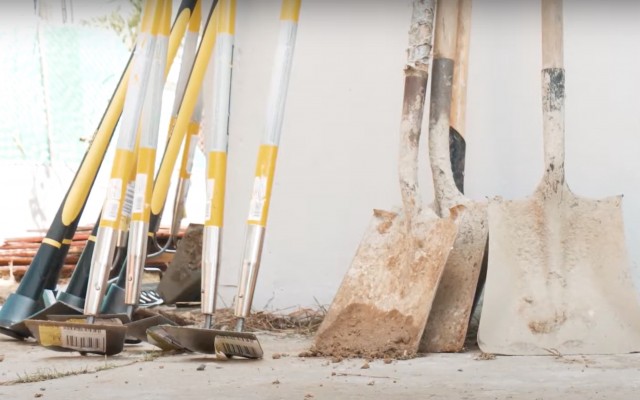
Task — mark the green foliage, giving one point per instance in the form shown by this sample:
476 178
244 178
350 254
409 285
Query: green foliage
125 25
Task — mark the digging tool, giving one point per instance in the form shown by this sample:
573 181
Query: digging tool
382 305
448 320
204 339
120 188
558 278
146 160
154 28
193 129
49 259
457 131
263 183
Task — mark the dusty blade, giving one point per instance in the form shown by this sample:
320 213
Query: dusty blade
158 336
105 337
210 341
448 321
138 329
382 305
558 278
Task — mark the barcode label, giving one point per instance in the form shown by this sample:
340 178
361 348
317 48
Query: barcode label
112 202
258 198
128 200
140 190
211 184
238 346
84 339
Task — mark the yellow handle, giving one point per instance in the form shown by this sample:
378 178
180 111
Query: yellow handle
290 10
91 163
216 186
262 185
198 71
227 17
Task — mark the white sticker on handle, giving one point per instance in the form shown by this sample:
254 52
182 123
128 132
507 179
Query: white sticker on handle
83 339
112 202
128 200
258 198
139 193
211 184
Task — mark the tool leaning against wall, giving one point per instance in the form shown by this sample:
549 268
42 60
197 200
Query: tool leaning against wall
558 279
44 270
448 320
106 335
382 305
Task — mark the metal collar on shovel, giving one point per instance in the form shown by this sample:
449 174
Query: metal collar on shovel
25 302
558 278
449 318
384 300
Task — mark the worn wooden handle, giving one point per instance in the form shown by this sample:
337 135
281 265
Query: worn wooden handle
446 29
461 69
552 49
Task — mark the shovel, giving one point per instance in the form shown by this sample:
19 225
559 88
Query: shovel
382 305
160 188
152 44
558 278
449 318
264 173
50 256
202 340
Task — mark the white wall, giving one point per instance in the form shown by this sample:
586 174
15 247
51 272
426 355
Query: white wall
339 146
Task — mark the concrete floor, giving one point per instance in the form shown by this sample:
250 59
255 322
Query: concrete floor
142 372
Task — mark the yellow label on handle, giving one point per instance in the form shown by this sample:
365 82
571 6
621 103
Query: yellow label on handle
227 17
144 184
290 10
216 178
262 185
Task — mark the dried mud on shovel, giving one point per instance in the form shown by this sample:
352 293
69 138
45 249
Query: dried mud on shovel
383 303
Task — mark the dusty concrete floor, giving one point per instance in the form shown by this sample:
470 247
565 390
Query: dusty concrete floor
141 372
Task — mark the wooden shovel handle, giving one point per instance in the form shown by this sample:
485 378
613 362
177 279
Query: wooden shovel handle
416 77
552 48
553 95
445 38
461 69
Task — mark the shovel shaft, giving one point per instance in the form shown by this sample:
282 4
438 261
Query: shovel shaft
553 93
159 191
267 155
210 268
135 261
552 33
149 124
187 107
446 192
461 69
416 75
99 273
250 266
